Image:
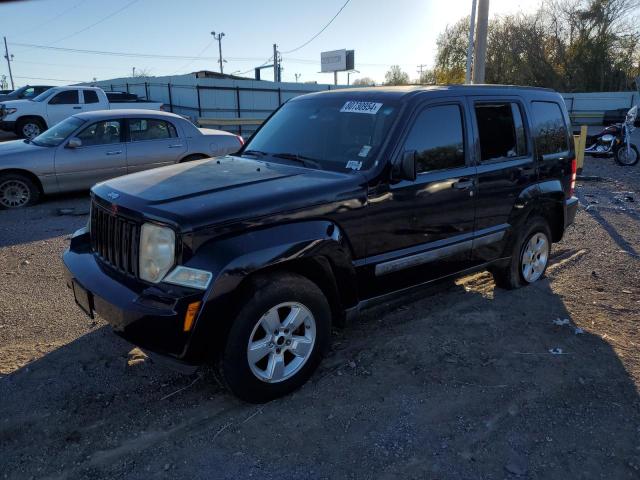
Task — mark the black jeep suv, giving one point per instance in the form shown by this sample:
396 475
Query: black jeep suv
338 201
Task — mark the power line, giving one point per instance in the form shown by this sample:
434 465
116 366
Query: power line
318 34
64 12
198 57
51 79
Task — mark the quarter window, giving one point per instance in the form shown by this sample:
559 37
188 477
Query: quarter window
67 97
501 131
90 96
550 128
437 137
101 133
141 129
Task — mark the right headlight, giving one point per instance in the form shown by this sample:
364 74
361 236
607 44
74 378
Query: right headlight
157 252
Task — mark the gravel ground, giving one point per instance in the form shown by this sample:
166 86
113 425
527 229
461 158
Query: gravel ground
457 382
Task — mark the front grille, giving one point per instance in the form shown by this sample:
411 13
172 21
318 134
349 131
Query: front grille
115 240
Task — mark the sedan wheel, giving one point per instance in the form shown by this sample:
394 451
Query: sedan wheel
281 342
535 256
14 193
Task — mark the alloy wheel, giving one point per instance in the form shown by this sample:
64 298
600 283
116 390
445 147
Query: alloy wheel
281 342
535 256
30 130
14 194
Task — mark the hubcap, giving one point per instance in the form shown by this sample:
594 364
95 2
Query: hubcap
31 130
627 159
14 193
534 257
281 342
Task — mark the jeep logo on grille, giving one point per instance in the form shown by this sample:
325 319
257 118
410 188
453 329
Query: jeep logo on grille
113 195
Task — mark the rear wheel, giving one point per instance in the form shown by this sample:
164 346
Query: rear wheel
191 158
529 256
17 191
627 159
29 128
278 338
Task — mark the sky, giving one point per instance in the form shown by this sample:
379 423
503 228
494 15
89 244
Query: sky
382 33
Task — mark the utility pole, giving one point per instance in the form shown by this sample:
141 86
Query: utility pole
276 64
480 55
472 27
420 71
219 39
9 58
297 75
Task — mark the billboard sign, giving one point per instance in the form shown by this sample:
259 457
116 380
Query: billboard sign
337 60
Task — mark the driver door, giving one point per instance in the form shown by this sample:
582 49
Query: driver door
62 105
101 156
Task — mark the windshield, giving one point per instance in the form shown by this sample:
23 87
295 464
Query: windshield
56 134
331 133
44 95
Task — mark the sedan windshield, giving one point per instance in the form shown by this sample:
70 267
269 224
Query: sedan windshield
58 133
331 133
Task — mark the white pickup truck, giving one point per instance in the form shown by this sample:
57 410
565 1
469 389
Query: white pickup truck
29 118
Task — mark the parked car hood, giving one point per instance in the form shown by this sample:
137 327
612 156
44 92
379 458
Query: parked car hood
18 147
230 189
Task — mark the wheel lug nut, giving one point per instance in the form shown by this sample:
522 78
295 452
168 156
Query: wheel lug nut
288 342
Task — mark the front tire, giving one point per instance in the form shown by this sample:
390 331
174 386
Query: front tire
627 160
278 338
17 191
29 128
530 252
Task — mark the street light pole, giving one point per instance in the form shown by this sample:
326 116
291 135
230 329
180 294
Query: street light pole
9 58
219 39
480 56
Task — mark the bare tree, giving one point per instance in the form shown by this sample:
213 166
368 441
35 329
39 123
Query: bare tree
396 76
364 82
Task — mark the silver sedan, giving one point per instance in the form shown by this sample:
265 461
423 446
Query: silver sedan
91 147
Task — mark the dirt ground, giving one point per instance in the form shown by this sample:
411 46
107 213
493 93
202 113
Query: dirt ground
463 381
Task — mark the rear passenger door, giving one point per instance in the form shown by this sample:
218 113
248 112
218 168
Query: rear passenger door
152 143
505 161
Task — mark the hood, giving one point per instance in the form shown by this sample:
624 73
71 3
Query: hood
228 190
15 103
18 147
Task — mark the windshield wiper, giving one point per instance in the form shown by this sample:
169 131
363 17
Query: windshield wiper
255 153
306 161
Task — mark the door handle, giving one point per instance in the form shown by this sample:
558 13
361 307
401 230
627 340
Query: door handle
77 108
115 152
463 184
175 146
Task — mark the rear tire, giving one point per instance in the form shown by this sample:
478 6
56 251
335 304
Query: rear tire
278 338
17 191
30 128
620 156
191 158
530 252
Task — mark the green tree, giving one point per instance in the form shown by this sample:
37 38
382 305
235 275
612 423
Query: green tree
395 76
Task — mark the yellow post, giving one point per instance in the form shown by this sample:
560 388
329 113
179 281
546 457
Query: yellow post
580 143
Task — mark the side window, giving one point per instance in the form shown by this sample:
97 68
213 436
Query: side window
150 129
501 131
101 133
550 128
90 96
437 137
29 93
67 97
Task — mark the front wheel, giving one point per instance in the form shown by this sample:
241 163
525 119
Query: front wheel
530 251
278 338
29 128
627 159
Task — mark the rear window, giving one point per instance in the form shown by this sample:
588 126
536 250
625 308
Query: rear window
90 96
549 127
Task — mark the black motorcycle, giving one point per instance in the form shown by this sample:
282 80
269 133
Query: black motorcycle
615 141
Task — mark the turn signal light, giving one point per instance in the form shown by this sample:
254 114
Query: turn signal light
574 169
190 316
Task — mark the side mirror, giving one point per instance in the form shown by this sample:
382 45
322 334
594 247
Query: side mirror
406 169
74 142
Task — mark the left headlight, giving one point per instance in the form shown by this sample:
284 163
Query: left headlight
9 111
157 252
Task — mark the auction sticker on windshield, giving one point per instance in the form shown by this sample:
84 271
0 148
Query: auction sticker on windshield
361 107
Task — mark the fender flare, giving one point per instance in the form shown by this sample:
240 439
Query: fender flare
233 259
